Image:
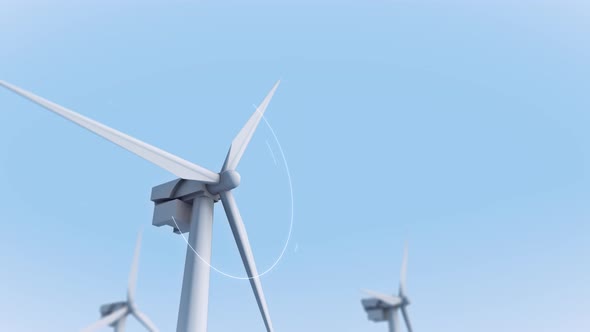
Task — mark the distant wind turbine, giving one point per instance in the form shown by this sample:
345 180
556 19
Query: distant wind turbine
382 307
115 314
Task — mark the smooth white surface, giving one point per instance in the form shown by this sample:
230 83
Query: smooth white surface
240 142
165 160
239 231
394 320
194 299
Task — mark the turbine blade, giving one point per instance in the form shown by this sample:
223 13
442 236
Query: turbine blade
132 283
404 272
161 158
239 231
388 299
406 318
106 320
240 142
145 321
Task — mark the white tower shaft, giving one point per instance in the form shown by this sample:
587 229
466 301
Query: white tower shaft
194 300
393 320
120 324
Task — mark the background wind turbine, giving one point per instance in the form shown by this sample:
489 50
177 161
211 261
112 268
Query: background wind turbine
383 307
115 314
186 204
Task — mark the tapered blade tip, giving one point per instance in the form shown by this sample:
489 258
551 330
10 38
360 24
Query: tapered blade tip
5 84
274 88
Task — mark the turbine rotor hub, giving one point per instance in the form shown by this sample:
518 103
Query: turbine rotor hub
405 300
228 180
108 309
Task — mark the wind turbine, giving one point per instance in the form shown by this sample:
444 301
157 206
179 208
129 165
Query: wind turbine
186 204
383 307
115 314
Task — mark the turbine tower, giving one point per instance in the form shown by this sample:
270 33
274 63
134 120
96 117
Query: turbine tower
383 307
115 314
186 204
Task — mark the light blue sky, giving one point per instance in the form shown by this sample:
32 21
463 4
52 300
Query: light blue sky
457 126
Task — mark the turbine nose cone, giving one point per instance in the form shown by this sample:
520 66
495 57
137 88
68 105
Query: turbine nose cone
230 179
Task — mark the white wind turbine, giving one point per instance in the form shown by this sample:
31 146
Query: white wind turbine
382 307
186 204
115 314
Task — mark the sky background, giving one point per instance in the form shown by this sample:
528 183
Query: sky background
458 127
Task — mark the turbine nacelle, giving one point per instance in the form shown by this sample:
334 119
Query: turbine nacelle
173 200
376 309
107 309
